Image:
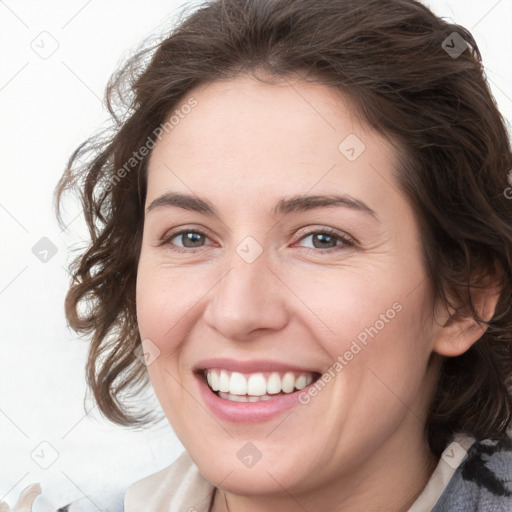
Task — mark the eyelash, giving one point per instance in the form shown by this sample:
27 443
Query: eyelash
346 241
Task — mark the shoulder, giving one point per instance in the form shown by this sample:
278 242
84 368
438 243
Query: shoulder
483 481
179 486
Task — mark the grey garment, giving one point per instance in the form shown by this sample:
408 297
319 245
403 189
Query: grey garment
483 480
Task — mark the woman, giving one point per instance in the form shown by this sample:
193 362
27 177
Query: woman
301 238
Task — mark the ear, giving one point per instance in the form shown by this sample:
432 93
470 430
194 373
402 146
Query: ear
455 334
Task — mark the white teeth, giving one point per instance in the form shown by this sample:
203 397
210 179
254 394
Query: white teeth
274 384
300 382
213 380
239 398
288 382
237 384
245 398
303 381
224 381
255 385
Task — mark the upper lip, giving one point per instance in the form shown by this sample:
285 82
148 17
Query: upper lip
252 366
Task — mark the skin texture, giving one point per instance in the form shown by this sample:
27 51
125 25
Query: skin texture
359 444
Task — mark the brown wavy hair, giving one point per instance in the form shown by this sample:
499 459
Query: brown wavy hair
391 59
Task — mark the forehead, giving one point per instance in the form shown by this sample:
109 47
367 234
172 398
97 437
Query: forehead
256 137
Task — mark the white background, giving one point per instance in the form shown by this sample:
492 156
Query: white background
47 107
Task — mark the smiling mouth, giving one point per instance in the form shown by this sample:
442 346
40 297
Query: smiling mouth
257 386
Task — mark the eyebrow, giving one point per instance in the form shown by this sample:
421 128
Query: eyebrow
283 206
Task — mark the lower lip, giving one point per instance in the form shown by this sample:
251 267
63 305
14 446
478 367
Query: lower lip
247 412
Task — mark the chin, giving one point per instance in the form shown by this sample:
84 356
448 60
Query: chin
259 480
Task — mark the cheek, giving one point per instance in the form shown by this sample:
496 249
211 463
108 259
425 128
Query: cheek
385 361
166 299
162 318
151 307
367 318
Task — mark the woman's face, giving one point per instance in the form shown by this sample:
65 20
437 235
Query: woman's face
259 277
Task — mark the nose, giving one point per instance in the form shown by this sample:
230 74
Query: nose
249 297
